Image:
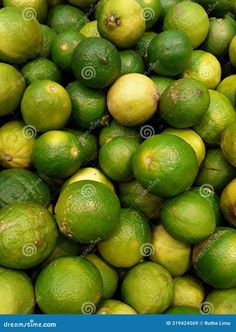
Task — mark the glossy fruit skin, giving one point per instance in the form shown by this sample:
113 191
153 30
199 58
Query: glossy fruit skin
131 62
222 301
114 307
228 203
228 86
228 145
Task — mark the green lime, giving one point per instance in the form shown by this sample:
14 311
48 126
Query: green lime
170 253
114 22
218 8
12 88
115 158
57 154
182 310
222 301
218 116
63 18
64 247
96 62
148 288
165 165
169 53
166 4
228 88
82 3
41 69
16 292
132 236
137 105
28 235
151 11
190 18
16 144
143 43
63 47
215 258
108 273
88 106
204 67
184 102
114 307
87 211
161 83
46 43
46 105
228 144
232 52
90 29
24 36
20 185
69 285
228 202
131 62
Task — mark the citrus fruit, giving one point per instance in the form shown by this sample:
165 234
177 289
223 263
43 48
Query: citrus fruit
189 291
137 105
215 170
108 274
148 288
69 285
222 301
218 116
166 4
228 202
82 3
16 292
31 8
41 69
64 247
28 235
169 53
131 62
131 235
88 106
143 43
204 67
87 211
16 144
66 18
192 138
63 46
161 83
90 29
190 18
184 102
57 154
115 158
218 8
23 36
215 258
154 171
182 310
232 52
46 43
46 105
20 185
96 62
151 11
228 87
228 145
170 253
114 307
53 3
188 218
12 88
132 194
122 23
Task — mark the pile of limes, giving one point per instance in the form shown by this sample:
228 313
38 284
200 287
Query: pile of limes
117 157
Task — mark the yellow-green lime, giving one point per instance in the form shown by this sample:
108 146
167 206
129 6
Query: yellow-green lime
166 4
90 29
228 144
161 83
46 43
151 11
228 87
228 202
115 307
131 62
82 3
232 52
222 301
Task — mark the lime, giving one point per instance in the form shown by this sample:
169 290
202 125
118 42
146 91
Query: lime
90 29
169 53
16 144
132 235
228 144
170 253
131 62
53 3
108 273
161 83
20 185
82 3
143 43
114 307
215 170
87 211
218 8
222 301
228 202
63 18
63 47
114 22
204 67
16 292
69 285
46 105
165 165
190 18
12 85
166 4
28 235
24 36
88 106
57 154
96 63
132 194
151 11
182 310
215 258
184 102
64 247
148 288
46 43
232 52
115 158
137 105
41 69
228 88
